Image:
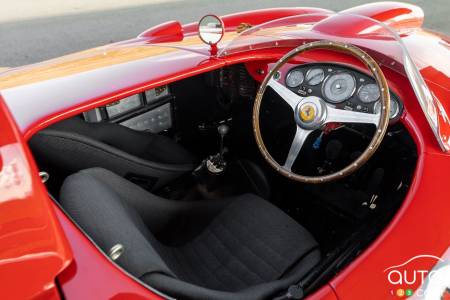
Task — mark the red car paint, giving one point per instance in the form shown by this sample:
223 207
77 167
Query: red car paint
34 247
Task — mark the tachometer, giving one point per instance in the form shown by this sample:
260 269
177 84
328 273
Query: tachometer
369 93
339 87
315 76
294 78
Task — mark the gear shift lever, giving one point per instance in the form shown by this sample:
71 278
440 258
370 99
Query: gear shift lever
209 173
216 164
223 130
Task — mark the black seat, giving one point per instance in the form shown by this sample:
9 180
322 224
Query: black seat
73 144
236 248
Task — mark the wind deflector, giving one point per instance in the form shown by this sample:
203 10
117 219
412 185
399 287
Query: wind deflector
379 40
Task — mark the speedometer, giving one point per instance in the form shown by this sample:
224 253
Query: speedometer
339 87
294 78
369 93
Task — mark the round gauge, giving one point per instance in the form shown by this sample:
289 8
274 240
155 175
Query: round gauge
369 93
339 87
315 76
294 78
393 113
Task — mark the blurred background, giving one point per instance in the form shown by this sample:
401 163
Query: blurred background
36 30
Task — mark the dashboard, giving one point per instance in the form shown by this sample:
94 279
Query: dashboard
340 86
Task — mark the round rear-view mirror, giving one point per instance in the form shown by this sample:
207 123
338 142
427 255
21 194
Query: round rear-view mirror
210 29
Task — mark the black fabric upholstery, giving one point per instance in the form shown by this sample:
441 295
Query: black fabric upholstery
74 145
237 248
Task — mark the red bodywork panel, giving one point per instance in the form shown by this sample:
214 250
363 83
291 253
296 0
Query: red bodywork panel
33 247
420 227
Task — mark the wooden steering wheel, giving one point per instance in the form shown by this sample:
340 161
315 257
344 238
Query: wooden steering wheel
312 113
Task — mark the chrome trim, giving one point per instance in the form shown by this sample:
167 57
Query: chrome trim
116 251
44 176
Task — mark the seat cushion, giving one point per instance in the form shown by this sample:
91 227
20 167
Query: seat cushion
239 248
250 242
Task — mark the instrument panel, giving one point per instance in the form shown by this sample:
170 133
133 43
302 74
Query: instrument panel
148 111
341 86
123 106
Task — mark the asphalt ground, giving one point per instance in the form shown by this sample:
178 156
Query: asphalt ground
32 31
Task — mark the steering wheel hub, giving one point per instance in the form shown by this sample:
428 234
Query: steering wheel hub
310 113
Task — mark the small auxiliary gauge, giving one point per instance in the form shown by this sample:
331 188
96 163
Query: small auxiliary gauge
393 113
369 93
294 78
315 76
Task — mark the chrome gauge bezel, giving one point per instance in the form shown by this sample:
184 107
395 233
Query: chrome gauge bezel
320 81
397 111
328 78
286 80
359 91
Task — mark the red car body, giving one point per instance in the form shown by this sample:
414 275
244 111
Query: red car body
44 255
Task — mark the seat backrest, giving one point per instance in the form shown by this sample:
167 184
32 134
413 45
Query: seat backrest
73 145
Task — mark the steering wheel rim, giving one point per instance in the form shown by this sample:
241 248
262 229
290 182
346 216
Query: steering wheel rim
323 113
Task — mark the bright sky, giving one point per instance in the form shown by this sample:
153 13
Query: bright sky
14 10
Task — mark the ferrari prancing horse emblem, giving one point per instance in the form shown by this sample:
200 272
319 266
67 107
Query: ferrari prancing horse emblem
307 113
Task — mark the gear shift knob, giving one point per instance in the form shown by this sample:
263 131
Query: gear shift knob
223 129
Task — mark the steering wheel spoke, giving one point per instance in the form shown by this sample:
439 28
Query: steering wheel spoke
289 96
300 137
335 115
